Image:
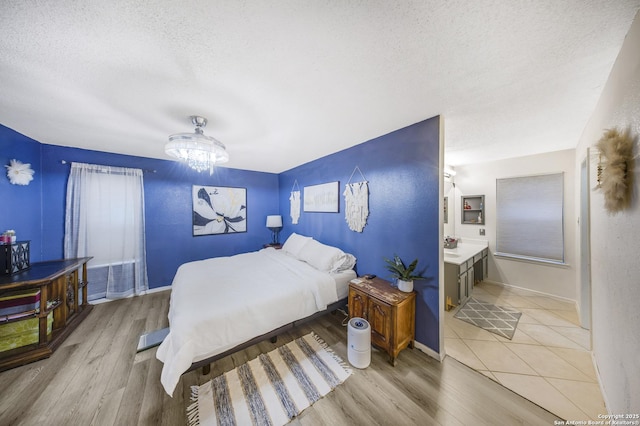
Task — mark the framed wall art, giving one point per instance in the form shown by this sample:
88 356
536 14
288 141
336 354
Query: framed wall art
219 210
321 198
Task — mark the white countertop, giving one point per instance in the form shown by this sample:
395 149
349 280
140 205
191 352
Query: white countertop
464 252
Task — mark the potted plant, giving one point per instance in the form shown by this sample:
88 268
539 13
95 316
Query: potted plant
404 274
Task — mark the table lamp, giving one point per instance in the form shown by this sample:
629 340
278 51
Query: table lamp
274 223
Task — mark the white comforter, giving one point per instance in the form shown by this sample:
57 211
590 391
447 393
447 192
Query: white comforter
218 303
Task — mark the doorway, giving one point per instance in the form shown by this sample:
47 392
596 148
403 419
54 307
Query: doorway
585 246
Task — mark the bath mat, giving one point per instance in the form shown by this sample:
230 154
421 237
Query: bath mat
271 389
496 319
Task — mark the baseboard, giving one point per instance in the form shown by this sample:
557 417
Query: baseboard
597 370
151 290
158 289
427 350
541 293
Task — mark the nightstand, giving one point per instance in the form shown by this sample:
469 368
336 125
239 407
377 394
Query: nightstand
391 313
275 246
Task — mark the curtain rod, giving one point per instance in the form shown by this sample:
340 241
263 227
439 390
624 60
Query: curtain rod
144 170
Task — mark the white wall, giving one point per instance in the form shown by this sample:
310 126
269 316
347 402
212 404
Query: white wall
480 179
615 241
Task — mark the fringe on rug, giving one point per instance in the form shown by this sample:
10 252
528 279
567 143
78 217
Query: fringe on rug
325 346
193 415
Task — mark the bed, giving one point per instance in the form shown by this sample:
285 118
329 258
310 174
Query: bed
220 303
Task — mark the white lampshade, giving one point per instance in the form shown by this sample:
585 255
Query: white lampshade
274 221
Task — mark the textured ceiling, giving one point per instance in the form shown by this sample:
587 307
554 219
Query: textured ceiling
285 82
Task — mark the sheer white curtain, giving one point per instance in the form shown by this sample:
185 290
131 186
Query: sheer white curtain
105 219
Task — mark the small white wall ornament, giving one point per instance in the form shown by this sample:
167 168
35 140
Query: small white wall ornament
294 200
356 212
356 200
19 173
295 206
613 170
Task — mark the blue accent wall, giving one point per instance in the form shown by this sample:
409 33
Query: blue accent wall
20 205
37 210
402 169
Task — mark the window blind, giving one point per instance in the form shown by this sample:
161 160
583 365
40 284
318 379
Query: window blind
529 217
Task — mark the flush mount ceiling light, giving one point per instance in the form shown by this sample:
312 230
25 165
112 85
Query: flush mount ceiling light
200 152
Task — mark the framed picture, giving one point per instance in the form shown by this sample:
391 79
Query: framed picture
321 198
219 210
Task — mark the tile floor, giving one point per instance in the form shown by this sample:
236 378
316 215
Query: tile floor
548 360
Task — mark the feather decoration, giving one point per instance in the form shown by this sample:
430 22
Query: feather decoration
617 150
19 173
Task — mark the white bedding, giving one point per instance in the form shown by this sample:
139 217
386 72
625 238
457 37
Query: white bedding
219 303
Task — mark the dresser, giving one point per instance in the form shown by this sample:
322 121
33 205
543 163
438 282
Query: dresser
55 302
389 311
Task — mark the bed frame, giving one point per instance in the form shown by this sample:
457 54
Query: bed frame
205 364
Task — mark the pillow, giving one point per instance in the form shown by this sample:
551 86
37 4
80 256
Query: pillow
346 262
326 258
294 244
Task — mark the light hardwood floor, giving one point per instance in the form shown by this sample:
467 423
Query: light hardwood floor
96 378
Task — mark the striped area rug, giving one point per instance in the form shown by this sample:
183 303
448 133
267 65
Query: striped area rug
270 389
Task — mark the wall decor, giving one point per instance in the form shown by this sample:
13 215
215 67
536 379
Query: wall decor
356 201
294 202
19 173
321 198
219 210
616 150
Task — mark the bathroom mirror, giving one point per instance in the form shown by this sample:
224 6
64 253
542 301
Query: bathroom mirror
449 209
446 209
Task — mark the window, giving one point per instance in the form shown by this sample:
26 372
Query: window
529 218
105 219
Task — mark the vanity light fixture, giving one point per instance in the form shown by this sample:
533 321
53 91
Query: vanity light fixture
200 152
449 172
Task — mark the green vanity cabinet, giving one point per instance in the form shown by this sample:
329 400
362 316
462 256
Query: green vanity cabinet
461 276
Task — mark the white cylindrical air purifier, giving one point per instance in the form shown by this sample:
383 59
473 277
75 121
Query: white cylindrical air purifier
359 342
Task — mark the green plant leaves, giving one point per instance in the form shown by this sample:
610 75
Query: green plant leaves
398 269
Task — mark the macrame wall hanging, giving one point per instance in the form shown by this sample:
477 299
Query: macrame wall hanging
294 200
616 151
356 201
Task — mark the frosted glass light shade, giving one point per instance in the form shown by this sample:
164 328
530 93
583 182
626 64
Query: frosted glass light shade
199 151
274 221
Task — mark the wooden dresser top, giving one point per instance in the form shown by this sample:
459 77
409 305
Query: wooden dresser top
41 273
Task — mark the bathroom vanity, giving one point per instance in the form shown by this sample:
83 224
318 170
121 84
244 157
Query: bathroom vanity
464 265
